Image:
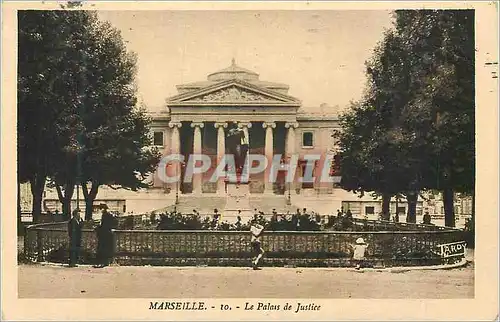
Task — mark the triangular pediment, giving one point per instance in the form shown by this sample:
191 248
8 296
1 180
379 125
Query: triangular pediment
233 92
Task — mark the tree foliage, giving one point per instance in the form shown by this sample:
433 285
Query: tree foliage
45 120
414 127
79 122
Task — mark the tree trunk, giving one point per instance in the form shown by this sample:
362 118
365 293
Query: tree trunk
386 203
89 197
65 198
449 211
411 215
37 187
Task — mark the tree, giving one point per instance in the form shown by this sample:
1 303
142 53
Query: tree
79 123
443 105
360 159
376 150
114 140
414 128
44 121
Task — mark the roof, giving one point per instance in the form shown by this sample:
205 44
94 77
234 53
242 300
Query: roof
314 113
233 71
156 115
268 94
202 84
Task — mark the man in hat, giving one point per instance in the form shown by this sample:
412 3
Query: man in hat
75 226
359 252
256 229
105 237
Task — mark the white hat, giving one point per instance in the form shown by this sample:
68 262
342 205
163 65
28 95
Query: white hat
360 241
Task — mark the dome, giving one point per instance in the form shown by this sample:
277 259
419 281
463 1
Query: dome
233 72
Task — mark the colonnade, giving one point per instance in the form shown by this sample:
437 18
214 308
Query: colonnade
221 146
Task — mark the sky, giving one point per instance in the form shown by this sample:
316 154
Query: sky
319 54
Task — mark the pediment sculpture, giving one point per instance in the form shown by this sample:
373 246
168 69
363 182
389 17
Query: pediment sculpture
232 94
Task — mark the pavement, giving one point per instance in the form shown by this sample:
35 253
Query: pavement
55 281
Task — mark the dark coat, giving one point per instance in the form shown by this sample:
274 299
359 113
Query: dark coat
105 236
75 232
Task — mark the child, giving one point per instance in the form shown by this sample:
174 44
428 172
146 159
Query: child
359 252
256 230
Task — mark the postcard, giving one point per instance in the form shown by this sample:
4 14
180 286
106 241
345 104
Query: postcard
249 160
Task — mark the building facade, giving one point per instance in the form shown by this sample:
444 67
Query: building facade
197 121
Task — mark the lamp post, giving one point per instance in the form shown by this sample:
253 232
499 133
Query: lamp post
169 167
177 187
289 183
177 192
289 200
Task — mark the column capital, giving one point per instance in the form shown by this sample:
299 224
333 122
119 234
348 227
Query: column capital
241 125
269 124
291 125
220 124
197 124
174 124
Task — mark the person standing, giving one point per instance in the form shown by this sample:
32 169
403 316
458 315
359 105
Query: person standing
75 226
105 237
237 225
256 229
359 252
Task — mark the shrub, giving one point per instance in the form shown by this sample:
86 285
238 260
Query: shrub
128 223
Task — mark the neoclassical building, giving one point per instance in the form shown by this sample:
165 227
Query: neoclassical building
197 120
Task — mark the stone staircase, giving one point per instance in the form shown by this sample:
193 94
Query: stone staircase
266 204
237 203
205 204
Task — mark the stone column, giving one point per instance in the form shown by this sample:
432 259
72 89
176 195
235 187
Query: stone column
269 151
221 151
175 149
290 149
290 137
197 178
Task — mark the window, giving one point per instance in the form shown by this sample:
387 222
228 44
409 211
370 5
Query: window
401 210
158 138
370 210
307 139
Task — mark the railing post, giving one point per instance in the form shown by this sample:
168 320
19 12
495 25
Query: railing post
25 242
114 246
39 245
